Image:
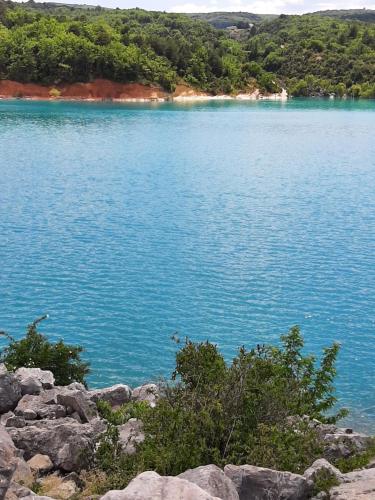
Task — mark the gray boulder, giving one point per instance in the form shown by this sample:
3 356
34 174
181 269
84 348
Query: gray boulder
130 435
8 461
23 474
34 380
150 486
322 466
33 407
342 443
78 402
10 390
266 484
339 442
16 491
31 386
40 464
358 485
116 395
359 475
146 392
5 416
68 443
76 386
50 396
213 480
9 419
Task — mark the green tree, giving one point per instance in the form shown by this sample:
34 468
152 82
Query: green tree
231 413
35 351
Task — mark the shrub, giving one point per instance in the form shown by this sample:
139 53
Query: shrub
35 351
253 69
316 45
273 61
214 412
358 460
124 413
54 92
268 83
324 481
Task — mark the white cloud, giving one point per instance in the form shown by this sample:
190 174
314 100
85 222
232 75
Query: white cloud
343 4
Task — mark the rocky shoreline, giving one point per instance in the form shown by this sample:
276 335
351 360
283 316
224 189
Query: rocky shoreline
48 436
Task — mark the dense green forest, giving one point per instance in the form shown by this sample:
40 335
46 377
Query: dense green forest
365 15
315 55
308 55
242 19
223 20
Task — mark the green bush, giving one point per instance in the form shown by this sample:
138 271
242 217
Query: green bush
36 351
124 413
316 45
268 83
324 481
358 460
215 412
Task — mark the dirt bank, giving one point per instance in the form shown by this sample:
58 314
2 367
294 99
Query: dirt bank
106 90
97 90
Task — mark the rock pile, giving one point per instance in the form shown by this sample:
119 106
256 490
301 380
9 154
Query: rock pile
46 428
48 435
245 483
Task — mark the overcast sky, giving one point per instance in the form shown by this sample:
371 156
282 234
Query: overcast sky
257 6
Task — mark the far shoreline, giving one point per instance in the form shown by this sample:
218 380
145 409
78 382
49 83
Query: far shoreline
101 90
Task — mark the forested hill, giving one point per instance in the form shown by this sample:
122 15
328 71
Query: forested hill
222 20
308 55
364 15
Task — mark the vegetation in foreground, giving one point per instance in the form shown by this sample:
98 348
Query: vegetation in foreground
36 351
308 55
251 410
214 412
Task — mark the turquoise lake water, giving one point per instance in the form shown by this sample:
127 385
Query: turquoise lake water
222 220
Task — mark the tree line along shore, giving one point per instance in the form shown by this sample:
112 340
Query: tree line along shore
309 55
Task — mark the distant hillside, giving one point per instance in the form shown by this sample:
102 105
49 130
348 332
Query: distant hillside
316 55
365 15
55 44
222 20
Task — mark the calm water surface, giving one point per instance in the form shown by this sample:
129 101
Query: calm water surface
227 221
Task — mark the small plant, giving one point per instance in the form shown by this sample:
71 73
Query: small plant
324 481
54 93
124 413
358 460
36 351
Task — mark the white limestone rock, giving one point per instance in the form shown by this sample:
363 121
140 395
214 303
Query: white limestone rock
116 395
146 392
10 390
68 443
321 466
213 480
150 486
130 435
262 484
34 380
